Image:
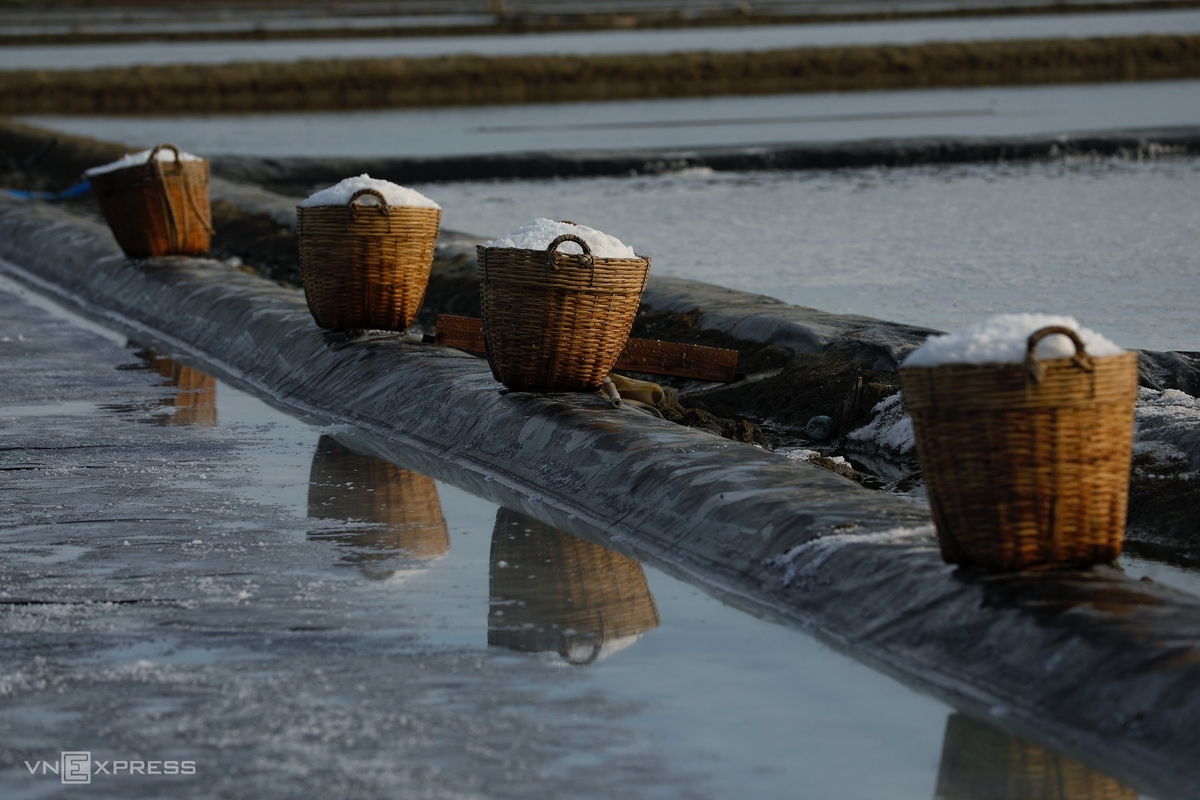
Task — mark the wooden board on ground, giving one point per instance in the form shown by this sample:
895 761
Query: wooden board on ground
640 355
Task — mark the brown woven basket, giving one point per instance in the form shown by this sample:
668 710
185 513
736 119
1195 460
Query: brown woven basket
980 762
556 322
158 208
1027 465
366 266
403 505
552 592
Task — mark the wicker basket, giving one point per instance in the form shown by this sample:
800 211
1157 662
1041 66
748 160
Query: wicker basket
1027 465
158 208
404 506
556 322
552 592
980 762
366 266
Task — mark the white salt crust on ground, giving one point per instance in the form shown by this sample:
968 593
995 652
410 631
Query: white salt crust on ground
340 193
1002 339
137 159
538 235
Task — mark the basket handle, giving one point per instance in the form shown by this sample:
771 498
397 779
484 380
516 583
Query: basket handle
1036 369
585 260
165 145
382 205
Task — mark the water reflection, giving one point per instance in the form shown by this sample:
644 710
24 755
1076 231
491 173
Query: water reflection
393 512
552 592
980 762
195 402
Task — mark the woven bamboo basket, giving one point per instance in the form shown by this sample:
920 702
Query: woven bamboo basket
552 592
366 266
980 762
158 208
556 322
1027 465
402 505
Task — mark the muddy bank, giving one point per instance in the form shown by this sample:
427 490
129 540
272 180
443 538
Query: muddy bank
509 19
474 80
1089 662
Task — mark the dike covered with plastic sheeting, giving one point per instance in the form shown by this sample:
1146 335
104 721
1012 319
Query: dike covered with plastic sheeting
1092 663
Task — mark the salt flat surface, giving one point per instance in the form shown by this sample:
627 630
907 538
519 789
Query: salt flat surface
769 37
689 122
1108 241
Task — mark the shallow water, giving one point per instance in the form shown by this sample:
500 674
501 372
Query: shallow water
654 124
326 615
1110 241
771 37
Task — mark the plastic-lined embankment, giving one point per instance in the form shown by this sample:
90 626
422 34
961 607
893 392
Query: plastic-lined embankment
1091 662
894 152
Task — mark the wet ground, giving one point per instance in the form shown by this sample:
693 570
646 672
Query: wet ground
190 575
1078 26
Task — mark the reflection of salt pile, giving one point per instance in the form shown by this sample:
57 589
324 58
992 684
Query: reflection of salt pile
196 400
552 592
980 762
401 509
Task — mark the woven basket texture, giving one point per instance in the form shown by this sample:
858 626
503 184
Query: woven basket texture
556 322
366 266
552 592
980 762
403 506
159 208
1027 465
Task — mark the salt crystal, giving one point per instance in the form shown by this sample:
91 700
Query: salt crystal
137 159
1003 339
340 193
538 235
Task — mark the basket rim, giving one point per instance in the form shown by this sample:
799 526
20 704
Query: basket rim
994 366
344 206
637 259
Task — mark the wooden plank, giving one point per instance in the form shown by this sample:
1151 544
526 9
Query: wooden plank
679 360
465 333
640 355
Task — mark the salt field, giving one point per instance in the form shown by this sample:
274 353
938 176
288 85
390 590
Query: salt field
769 37
681 123
1109 241
351 564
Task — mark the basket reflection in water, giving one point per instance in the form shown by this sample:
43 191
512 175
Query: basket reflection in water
399 512
552 592
196 401
980 762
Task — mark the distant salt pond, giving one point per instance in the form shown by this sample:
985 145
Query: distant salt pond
771 37
1109 241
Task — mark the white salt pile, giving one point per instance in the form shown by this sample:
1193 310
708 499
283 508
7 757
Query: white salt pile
396 195
1003 339
137 159
538 235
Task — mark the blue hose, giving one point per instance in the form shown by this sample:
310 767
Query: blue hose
78 190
